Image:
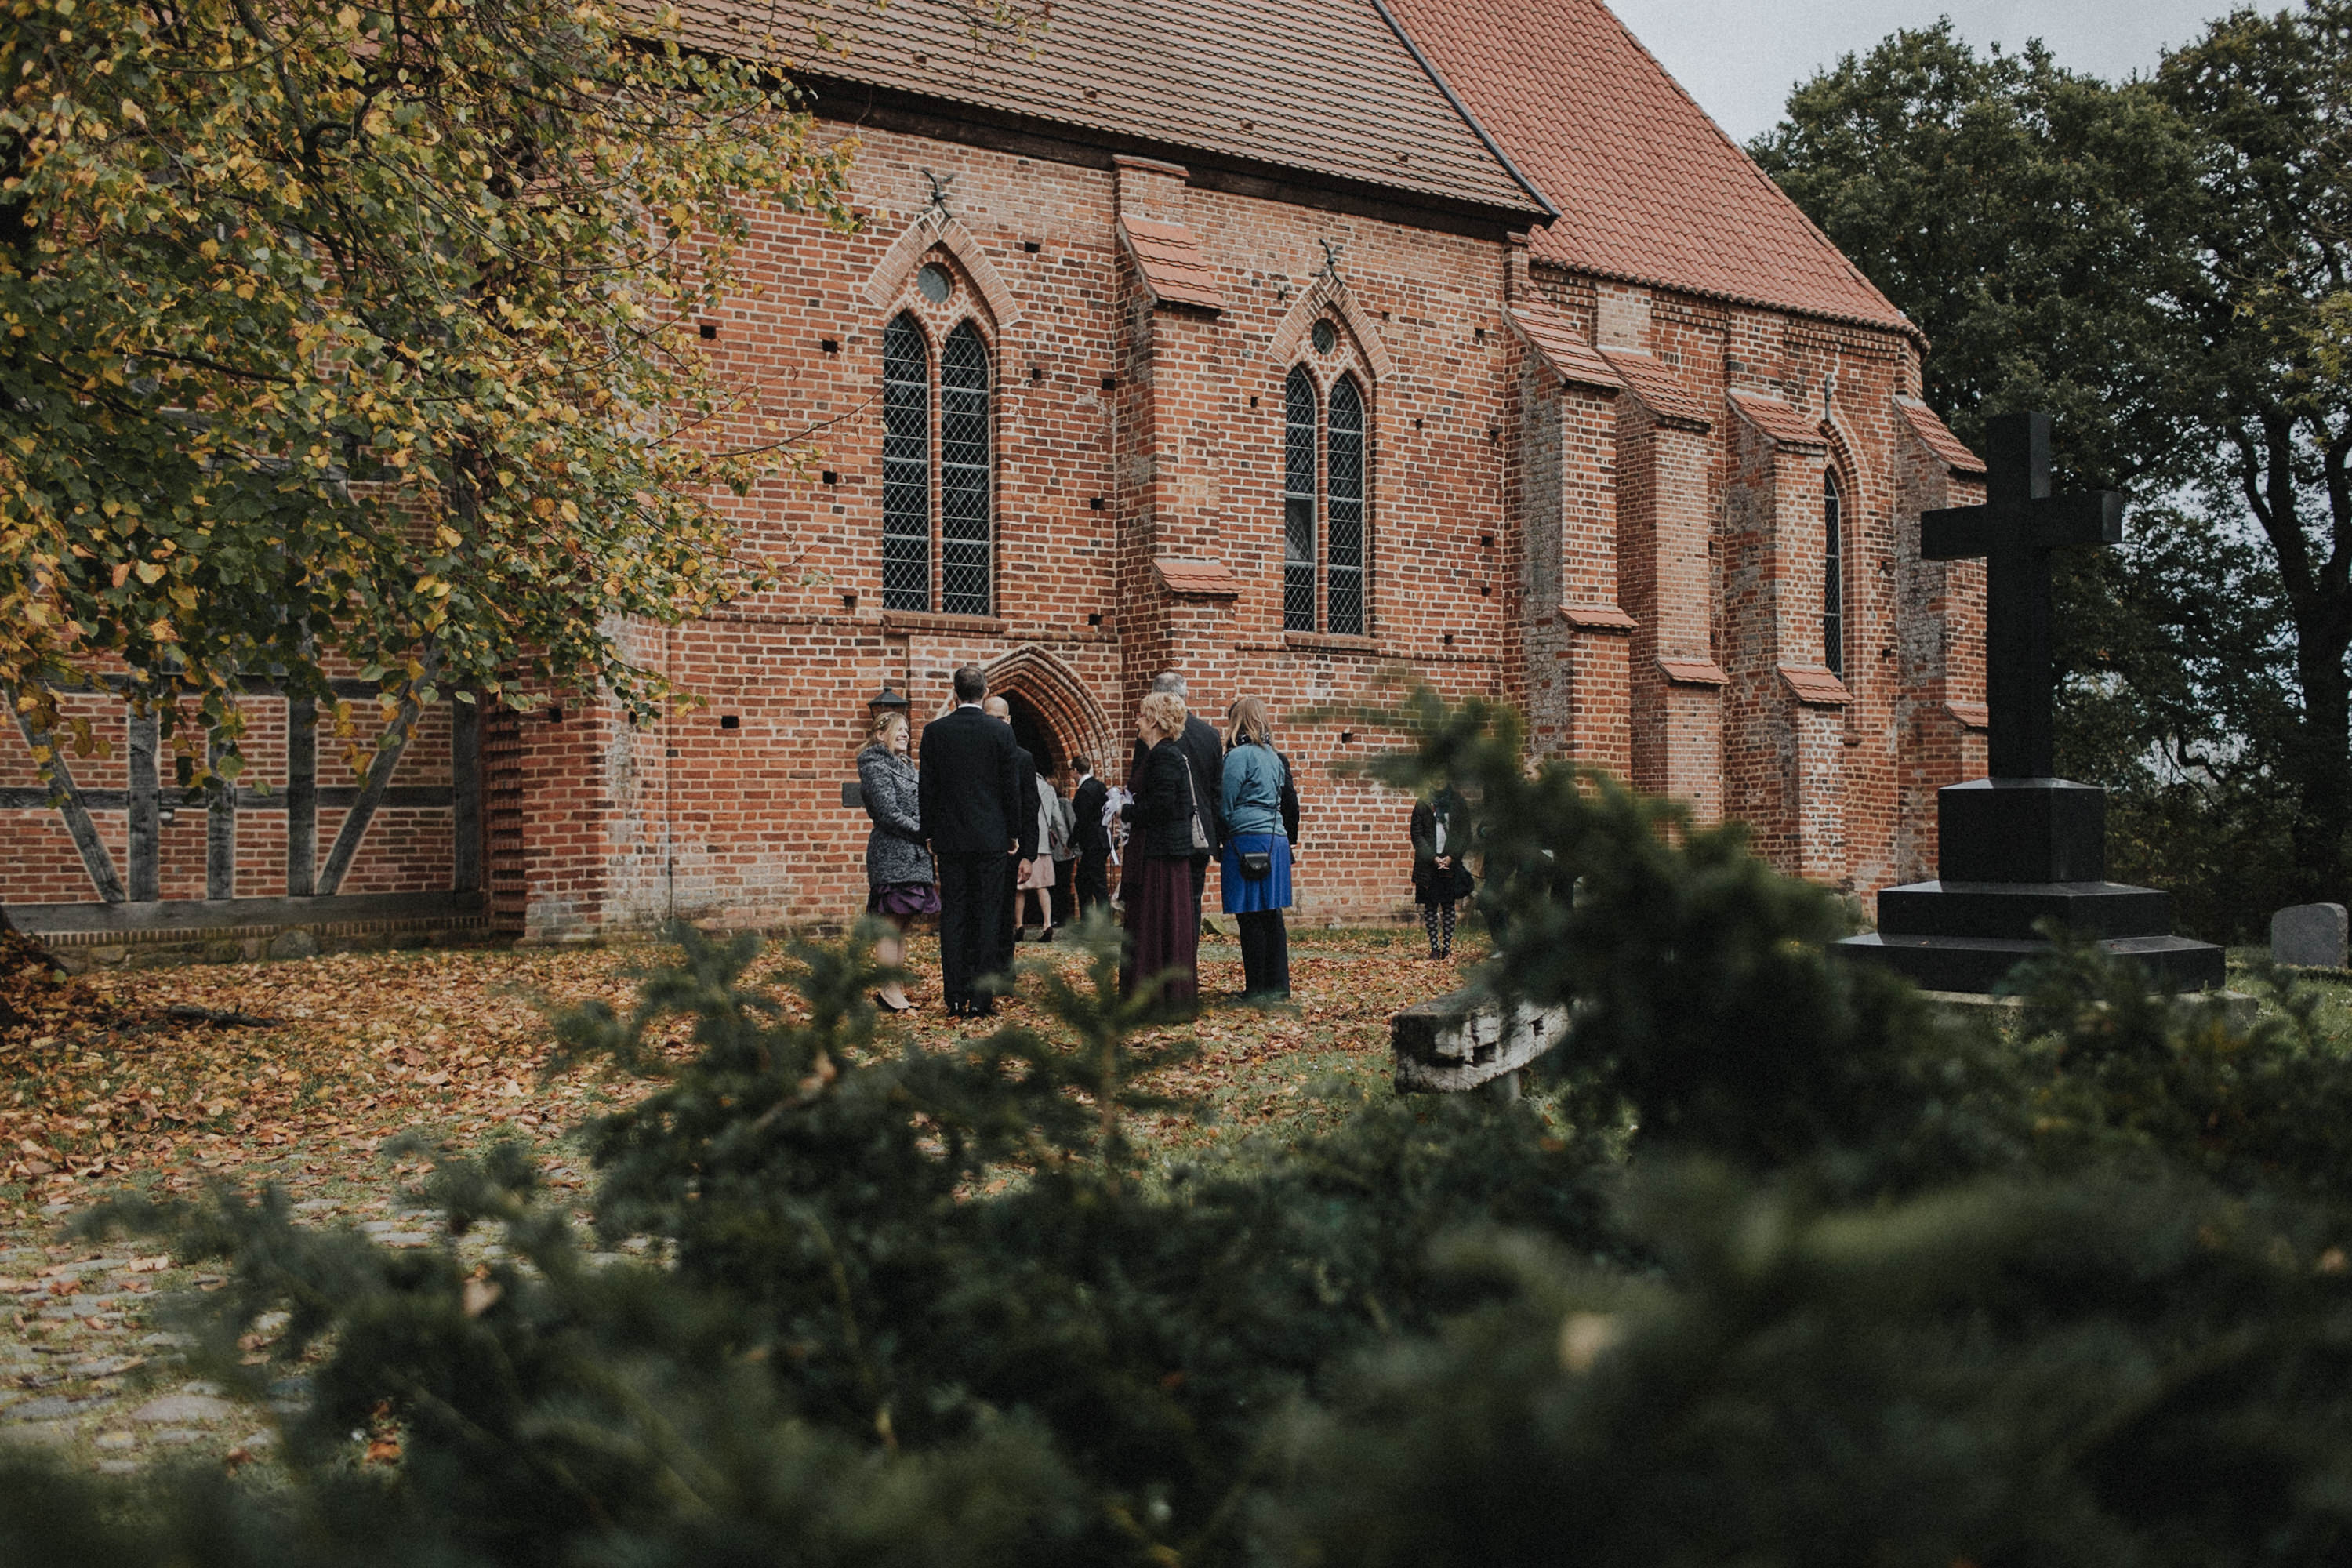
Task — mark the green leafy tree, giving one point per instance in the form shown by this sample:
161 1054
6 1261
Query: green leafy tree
348 336
2155 263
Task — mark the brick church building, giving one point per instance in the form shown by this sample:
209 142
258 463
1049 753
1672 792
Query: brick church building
1277 342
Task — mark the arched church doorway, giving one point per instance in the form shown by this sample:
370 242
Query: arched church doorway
1054 715
1037 735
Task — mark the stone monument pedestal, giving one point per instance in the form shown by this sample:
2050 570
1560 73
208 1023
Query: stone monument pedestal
2017 852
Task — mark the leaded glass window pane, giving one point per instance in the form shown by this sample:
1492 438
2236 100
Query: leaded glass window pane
1299 503
905 467
1344 484
1833 577
964 473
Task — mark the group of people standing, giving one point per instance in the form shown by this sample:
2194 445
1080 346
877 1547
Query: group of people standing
968 837
1200 797
975 830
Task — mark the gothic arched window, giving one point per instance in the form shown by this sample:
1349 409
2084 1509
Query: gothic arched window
1326 579
1298 402
964 473
1833 576
905 467
1343 462
964 483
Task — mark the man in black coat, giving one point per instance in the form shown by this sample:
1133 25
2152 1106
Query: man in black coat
1094 838
1205 750
1024 775
970 795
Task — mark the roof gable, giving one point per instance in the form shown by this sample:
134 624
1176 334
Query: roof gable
1649 189
1327 88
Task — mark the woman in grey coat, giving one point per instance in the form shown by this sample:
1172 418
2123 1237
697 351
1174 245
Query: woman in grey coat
899 882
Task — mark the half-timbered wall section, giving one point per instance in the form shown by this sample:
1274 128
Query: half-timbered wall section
1279 342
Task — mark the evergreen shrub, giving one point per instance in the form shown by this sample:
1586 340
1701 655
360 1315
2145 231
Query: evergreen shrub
1773 1266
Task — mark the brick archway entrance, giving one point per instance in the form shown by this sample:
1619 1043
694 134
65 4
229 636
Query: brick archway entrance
1055 714
1037 736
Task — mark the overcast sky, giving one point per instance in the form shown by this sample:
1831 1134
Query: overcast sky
1739 57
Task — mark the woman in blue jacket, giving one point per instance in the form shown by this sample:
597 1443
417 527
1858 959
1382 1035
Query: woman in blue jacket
1256 864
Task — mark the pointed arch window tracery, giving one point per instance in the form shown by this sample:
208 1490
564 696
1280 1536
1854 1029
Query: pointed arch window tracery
1300 408
1832 574
1326 494
964 486
1343 460
906 465
939 481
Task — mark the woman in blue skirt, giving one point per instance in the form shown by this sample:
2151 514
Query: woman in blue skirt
1256 865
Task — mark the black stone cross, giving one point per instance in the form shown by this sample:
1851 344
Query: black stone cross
2015 530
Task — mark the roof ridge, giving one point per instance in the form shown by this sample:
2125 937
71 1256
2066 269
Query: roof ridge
1221 83
1429 68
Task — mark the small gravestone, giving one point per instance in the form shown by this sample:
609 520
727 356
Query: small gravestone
2309 936
1462 1040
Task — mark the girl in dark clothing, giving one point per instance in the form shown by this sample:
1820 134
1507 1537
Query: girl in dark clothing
1163 935
1440 880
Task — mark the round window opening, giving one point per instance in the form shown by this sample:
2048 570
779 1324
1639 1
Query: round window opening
935 283
1327 337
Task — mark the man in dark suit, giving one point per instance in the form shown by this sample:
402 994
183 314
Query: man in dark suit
970 799
1094 838
1205 750
1025 773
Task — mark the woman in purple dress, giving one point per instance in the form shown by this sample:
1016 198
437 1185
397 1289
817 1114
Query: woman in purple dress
899 880
1163 931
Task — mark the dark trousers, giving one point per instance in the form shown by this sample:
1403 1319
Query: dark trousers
1094 882
1064 903
1265 953
971 911
1008 933
1200 887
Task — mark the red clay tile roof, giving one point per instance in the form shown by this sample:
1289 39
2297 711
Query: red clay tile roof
1971 715
1169 256
1692 672
1939 437
1571 357
1196 578
1813 685
1658 386
1780 421
1323 87
1649 189
1597 619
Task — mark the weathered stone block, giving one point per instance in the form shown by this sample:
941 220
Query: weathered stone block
2310 936
1462 1040
295 943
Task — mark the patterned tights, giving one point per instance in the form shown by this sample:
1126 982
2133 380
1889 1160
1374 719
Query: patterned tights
1439 921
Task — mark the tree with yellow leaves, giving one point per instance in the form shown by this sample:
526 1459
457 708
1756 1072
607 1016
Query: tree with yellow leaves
349 337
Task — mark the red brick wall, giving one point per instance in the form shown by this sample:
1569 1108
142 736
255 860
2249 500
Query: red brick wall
1939 632
1125 432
